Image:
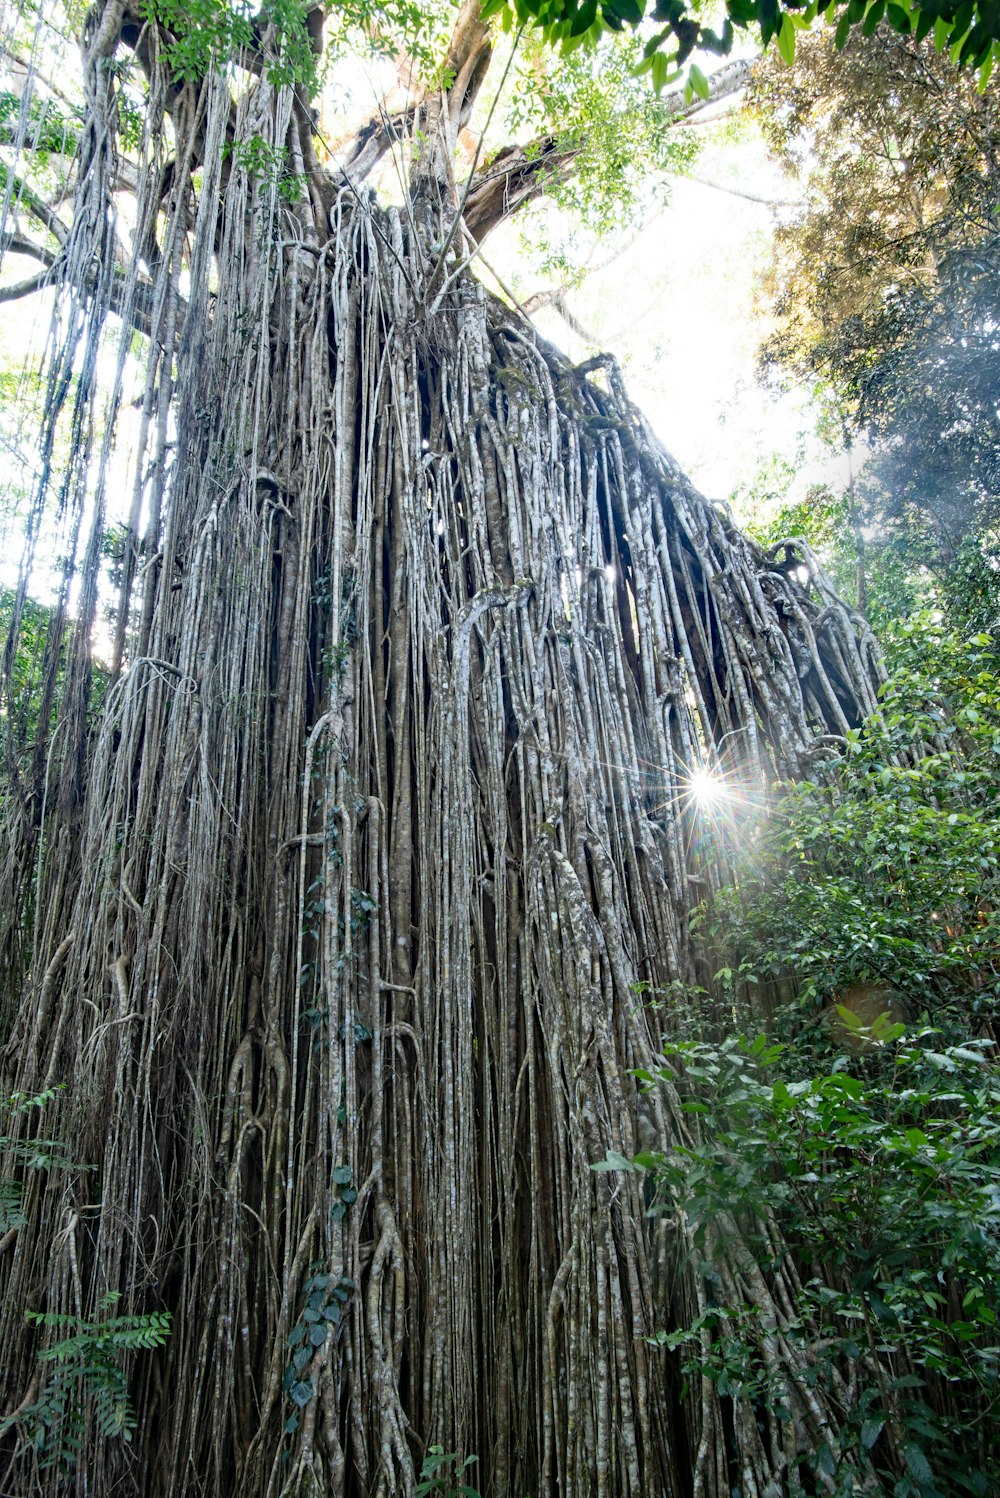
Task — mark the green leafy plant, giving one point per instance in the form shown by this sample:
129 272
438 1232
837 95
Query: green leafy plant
883 873
87 1381
884 1182
863 1155
21 1154
674 30
85 1359
441 1472
269 164
206 32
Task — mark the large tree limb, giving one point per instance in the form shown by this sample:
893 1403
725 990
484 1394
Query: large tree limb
19 244
517 175
27 198
21 289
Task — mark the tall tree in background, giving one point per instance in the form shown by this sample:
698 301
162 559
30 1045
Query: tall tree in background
328 916
887 279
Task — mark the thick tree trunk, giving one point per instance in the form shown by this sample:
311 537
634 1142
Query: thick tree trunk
340 904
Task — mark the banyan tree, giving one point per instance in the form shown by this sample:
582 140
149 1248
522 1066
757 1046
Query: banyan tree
332 880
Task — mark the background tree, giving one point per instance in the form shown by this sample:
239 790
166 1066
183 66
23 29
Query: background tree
886 282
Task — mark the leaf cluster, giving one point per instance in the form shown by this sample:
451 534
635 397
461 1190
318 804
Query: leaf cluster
441 1472
325 1300
205 34
864 1155
87 1381
674 30
591 108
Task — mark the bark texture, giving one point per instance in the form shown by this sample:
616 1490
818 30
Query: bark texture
330 914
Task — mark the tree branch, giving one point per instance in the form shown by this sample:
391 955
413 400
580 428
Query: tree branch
736 192
26 288
517 175
17 244
36 206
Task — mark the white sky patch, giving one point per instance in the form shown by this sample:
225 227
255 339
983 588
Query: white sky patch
677 309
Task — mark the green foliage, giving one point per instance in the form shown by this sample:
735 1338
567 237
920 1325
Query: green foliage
441 1472
25 1154
590 105
275 36
886 872
36 652
86 1378
269 164
773 507
865 1156
673 30
87 1381
210 33
325 1302
20 725
49 130
885 1185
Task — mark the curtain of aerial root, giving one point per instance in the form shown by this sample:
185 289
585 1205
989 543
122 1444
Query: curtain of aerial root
329 917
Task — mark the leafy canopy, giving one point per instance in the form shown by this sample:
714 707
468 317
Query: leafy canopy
673 30
884 1179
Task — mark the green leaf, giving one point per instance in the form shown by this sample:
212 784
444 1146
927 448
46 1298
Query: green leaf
623 10
826 1461
919 1466
786 40
873 16
613 1161
584 18
698 81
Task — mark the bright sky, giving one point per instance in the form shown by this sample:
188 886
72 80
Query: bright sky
677 309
